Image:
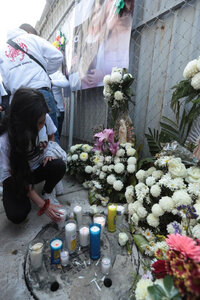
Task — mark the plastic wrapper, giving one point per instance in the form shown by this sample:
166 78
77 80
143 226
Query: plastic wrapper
175 149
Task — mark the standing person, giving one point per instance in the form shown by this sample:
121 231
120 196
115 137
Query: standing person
23 159
4 98
59 81
19 69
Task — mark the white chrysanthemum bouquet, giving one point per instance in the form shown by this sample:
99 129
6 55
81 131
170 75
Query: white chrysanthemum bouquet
164 197
117 91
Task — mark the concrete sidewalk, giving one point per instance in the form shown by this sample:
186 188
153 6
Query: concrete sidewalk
14 240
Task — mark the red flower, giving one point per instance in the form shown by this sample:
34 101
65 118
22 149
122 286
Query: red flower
193 282
159 268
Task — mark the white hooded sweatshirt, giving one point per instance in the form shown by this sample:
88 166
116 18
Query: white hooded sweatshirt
18 70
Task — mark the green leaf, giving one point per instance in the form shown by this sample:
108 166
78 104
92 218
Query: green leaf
156 292
153 141
168 283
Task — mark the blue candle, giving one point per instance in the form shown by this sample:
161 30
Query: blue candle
95 232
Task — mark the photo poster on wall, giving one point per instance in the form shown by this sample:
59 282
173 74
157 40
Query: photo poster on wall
98 38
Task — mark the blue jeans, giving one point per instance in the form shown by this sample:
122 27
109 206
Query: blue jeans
53 110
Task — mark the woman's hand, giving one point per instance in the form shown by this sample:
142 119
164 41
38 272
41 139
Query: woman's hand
47 158
53 213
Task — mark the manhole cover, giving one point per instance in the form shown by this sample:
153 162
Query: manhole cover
82 277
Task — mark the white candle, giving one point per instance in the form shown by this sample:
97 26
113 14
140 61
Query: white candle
70 236
64 257
120 214
78 214
84 236
105 265
63 215
36 255
100 219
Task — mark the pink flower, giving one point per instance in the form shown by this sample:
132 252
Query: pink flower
185 245
107 134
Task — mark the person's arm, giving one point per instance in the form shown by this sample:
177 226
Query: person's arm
51 211
52 56
58 79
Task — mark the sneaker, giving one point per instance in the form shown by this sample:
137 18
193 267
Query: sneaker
52 198
59 188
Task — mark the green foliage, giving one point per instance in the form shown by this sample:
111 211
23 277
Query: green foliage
183 94
168 292
153 139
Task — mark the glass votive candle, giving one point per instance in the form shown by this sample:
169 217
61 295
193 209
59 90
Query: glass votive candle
61 224
36 254
64 258
56 245
95 232
101 220
70 236
120 215
112 212
78 214
105 265
84 236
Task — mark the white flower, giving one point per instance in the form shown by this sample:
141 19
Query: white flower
181 197
165 179
111 179
120 153
135 218
73 148
148 234
130 151
157 174
157 210
106 79
74 157
194 188
115 77
131 168
116 160
141 191
195 82
94 209
193 174
129 194
155 190
152 220
104 201
105 168
102 175
150 181
162 161
110 168
96 184
94 169
108 159
69 158
118 185
150 171
131 160
123 238
141 291
142 212
140 175
197 207
119 168
88 169
118 95
196 231
131 209
190 69
177 168
166 203
136 205
128 145
99 164
84 156
86 148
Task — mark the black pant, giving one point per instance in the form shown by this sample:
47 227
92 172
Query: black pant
17 209
60 122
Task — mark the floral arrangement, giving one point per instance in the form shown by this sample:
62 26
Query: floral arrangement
176 270
108 167
117 91
157 203
60 42
79 156
192 73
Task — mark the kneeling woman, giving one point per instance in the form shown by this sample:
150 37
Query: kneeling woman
22 158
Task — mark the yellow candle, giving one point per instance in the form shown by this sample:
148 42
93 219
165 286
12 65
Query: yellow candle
112 212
